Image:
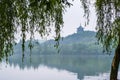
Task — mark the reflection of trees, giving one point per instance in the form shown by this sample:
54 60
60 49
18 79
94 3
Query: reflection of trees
85 65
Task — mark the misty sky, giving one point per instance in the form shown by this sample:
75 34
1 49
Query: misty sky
74 17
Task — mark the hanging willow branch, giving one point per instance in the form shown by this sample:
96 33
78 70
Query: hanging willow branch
28 17
108 21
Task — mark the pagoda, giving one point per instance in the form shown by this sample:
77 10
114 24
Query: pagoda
80 29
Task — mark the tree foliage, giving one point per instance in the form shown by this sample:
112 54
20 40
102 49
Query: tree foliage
108 21
28 16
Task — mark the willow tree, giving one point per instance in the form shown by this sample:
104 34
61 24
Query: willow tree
108 27
27 17
30 16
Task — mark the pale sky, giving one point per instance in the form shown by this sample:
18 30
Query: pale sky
74 17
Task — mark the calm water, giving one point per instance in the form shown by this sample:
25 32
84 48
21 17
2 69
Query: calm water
57 68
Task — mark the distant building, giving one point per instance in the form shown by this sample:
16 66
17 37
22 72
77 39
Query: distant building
80 29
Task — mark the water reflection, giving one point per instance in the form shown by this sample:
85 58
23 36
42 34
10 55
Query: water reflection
42 73
81 66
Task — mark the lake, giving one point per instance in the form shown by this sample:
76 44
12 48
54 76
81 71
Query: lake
56 68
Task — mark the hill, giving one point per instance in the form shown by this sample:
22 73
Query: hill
80 43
